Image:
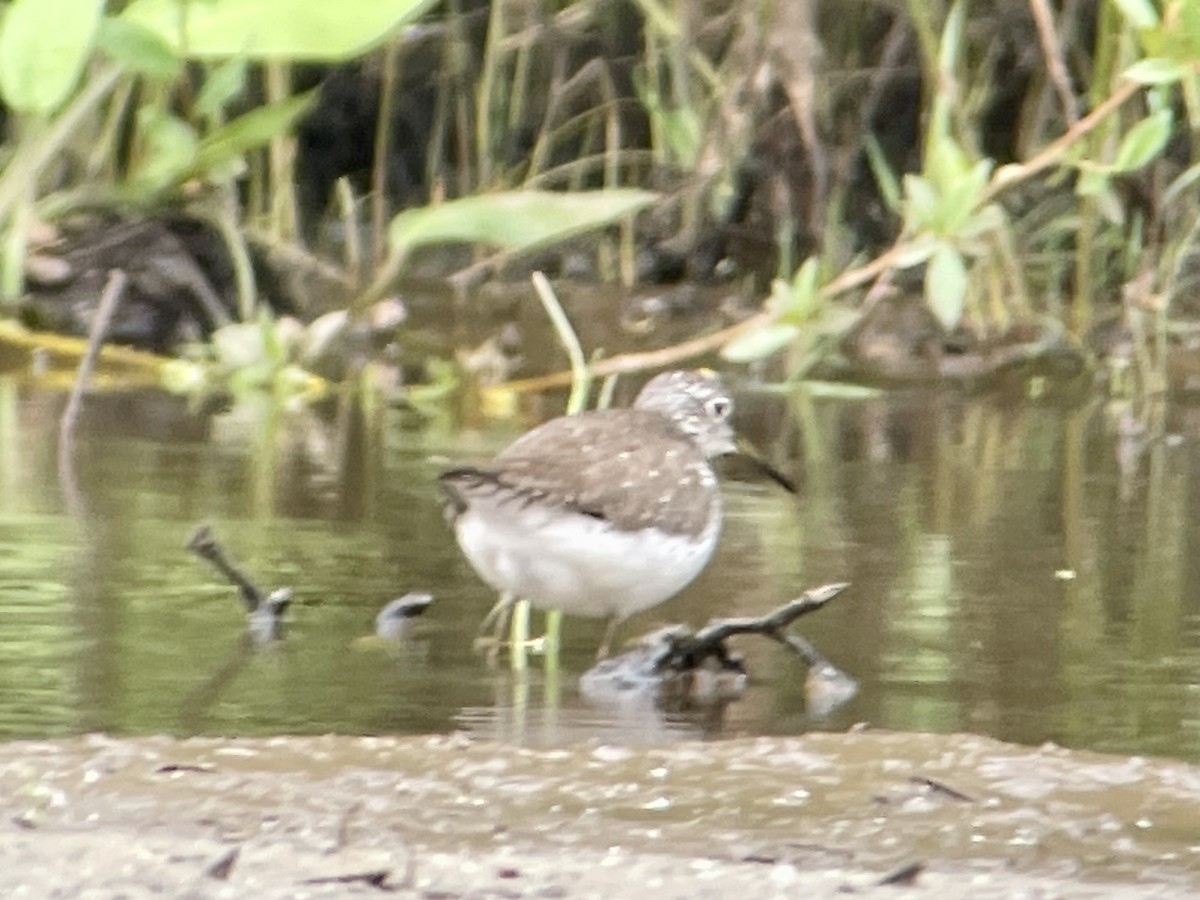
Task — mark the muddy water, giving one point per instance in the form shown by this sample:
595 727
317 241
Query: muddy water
1019 570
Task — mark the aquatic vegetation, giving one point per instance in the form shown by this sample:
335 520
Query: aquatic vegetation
1011 174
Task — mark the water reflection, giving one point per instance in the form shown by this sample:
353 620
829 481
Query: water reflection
1015 572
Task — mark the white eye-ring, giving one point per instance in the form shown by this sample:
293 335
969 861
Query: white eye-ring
719 407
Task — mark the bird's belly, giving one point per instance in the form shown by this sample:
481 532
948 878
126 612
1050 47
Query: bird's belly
581 565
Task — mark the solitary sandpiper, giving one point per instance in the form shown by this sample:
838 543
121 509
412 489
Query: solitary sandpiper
604 513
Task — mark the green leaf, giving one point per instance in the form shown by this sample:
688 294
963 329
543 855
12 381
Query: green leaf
885 178
960 197
1110 205
946 285
168 149
223 83
920 202
514 221
760 343
240 345
839 390
1185 29
916 251
232 140
1156 70
44 45
952 35
1144 141
836 321
976 178
278 29
802 300
946 162
137 49
683 133
1138 13
1093 181
987 219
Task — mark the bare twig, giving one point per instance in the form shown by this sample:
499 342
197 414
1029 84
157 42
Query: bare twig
1015 173
264 612
904 875
685 651
221 868
113 288
204 544
940 787
1053 52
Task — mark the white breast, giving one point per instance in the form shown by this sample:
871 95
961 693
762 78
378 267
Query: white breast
579 564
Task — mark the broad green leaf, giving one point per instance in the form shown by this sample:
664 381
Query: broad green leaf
280 29
44 45
920 202
1144 141
1156 70
167 152
801 294
514 221
1138 13
1110 205
240 345
946 162
958 200
946 285
248 132
975 180
223 82
1093 181
780 297
760 343
1185 29
137 48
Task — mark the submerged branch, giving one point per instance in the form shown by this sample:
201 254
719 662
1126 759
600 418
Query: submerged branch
113 289
264 611
687 651
204 544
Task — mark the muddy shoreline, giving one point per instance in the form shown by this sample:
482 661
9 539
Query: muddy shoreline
450 816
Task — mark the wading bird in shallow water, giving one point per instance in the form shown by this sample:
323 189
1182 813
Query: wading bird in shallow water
605 513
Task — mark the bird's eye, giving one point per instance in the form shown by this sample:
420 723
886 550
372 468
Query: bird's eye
719 407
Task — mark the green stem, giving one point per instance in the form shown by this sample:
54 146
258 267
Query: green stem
580 375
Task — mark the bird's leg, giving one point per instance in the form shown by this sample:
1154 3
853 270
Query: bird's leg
496 621
609 633
518 635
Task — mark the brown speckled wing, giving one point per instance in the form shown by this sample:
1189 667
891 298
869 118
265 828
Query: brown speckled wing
628 467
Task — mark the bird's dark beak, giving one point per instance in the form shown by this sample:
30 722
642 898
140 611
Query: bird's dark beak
746 458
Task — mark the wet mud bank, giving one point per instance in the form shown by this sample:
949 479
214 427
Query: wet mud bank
823 815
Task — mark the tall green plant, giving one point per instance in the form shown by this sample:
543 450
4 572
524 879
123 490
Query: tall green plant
46 46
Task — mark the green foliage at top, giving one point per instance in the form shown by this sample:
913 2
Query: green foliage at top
513 221
273 29
44 45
